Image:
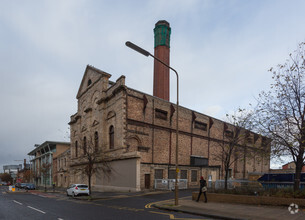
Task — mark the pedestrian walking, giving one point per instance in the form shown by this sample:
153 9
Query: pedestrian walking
202 189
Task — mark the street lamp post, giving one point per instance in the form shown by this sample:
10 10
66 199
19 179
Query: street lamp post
146 53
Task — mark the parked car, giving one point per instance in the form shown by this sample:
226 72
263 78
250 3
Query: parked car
30 186
78 189
23 185
20 185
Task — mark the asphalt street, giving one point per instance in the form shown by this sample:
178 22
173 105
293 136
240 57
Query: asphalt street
37 205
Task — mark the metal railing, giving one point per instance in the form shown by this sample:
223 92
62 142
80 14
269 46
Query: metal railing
236 183
169 184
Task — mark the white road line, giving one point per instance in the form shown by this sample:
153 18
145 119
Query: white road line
37 210
60 219
17 202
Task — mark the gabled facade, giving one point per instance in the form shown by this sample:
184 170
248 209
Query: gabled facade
136 133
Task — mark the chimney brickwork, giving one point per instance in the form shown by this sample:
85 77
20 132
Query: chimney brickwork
162 33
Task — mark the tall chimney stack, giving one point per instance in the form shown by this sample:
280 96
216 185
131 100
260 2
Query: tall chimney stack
162 33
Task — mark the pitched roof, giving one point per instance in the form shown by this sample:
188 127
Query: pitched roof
98 71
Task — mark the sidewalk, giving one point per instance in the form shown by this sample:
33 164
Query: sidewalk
230 211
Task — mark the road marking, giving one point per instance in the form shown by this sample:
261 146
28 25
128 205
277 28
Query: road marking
37 210
128 196
148 206
125 208
60 219
17 202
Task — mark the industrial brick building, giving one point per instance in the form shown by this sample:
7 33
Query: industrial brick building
138 132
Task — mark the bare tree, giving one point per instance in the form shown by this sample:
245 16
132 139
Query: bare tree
27 174
235 145
45 171
281 110
93 160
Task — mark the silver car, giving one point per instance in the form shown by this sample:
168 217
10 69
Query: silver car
78 189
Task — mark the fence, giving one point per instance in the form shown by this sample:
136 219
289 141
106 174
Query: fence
232 184
169 184
280 185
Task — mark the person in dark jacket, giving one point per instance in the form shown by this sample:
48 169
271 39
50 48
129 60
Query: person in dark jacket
202 189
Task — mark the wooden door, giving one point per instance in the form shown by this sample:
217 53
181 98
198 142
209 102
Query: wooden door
147 181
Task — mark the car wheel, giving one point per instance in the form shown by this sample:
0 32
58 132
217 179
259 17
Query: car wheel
73 195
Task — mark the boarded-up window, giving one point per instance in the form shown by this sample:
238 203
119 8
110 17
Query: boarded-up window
161 114
194 176
158 174
183 174
201 125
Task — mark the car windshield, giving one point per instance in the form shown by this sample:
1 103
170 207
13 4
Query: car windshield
82 186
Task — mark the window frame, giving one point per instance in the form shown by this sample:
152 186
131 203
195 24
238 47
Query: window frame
193 172
85 145
111 137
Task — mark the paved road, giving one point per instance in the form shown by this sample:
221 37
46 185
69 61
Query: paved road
37 205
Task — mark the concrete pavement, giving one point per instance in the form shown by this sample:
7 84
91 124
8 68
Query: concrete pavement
230 211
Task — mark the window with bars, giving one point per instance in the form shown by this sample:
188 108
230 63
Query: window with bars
172 174
158 174
183 174
194 175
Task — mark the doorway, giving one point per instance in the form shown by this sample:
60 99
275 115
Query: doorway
147 181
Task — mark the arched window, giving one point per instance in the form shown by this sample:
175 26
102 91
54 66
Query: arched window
85 146
89 82
96 141
76 149
111 137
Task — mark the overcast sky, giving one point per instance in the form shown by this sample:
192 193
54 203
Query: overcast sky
221 50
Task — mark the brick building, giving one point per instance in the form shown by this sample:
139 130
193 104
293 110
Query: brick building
291 166
137 132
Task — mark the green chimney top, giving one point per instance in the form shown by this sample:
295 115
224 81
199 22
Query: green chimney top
162 33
